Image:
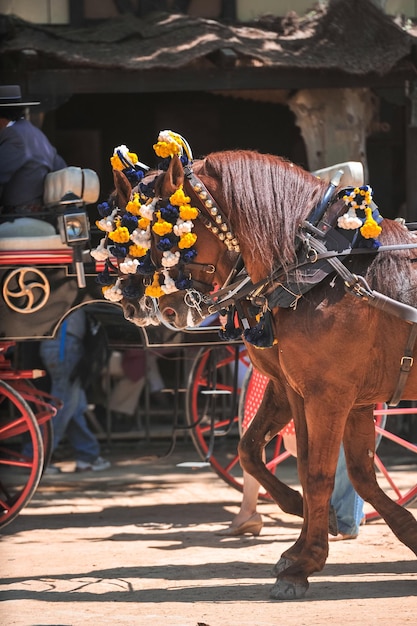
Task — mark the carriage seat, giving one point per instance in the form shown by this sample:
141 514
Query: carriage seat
29 233
353 174
82 183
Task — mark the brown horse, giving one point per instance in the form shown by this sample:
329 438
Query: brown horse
334 355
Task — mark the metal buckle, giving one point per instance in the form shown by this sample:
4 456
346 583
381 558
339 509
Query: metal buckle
407 362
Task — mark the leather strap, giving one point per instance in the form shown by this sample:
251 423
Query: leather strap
406 365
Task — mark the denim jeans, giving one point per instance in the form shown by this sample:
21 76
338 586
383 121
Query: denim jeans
61 361
346 502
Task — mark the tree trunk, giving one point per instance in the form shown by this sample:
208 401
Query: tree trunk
334 124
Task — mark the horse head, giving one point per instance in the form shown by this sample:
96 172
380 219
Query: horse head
213 262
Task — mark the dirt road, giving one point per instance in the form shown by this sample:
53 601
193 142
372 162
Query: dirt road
135 545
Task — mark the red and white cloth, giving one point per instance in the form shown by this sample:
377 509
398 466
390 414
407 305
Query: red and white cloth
254 395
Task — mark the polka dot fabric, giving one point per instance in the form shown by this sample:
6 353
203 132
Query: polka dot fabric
254 395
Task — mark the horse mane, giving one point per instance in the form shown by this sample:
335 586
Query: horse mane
393 273
267 198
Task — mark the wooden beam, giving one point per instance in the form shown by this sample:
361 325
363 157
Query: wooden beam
64 82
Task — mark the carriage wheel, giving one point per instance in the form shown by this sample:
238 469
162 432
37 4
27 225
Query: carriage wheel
393 457
19 475
225 461
212 401
40 403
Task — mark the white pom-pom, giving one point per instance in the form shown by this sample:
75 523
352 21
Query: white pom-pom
129 266
182 227
147 210
107 223
141 237
169 284
349 221
170 259
114 293
100 253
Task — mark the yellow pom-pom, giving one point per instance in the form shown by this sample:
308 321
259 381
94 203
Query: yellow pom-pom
161 227
188 212
134 206
187 240
99 226
116 163
154 290
179 198
143 223
120 235
370 229
164 149
137 251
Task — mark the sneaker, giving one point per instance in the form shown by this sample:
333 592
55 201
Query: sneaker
98 465
52 470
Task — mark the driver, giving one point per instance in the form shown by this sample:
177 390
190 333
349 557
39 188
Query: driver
26 156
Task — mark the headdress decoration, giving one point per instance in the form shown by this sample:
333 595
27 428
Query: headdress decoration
362 213
128 233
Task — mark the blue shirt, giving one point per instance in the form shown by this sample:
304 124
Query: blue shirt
26 157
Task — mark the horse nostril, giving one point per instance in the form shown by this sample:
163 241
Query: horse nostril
169 313
129 311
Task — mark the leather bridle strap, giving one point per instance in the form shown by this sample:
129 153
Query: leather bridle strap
213 217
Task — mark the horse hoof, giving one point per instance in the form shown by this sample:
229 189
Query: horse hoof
288 590
280 565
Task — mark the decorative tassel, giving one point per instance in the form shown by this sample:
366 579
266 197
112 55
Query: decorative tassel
230 332
183 282
261 335
104 277
145 265
370 229
154 290
132 291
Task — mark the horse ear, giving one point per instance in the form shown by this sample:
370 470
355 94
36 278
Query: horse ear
123 188
174 177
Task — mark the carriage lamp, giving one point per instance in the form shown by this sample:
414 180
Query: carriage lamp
74 228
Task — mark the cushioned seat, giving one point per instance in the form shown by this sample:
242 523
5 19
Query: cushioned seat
29 233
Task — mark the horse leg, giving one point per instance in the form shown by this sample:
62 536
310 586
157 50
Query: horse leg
359 444
317 466
273 414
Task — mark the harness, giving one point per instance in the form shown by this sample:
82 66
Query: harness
321 248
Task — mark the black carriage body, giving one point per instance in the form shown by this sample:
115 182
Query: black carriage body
39 288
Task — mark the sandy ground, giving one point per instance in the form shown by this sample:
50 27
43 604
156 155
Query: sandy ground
135 545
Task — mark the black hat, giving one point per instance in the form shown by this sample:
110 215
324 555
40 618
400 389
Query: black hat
10 96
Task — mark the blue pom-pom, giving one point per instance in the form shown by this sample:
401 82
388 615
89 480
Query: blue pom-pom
170 213
133 175
147 189
130 222
119 251
167 242
104 209
183 283
188 255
